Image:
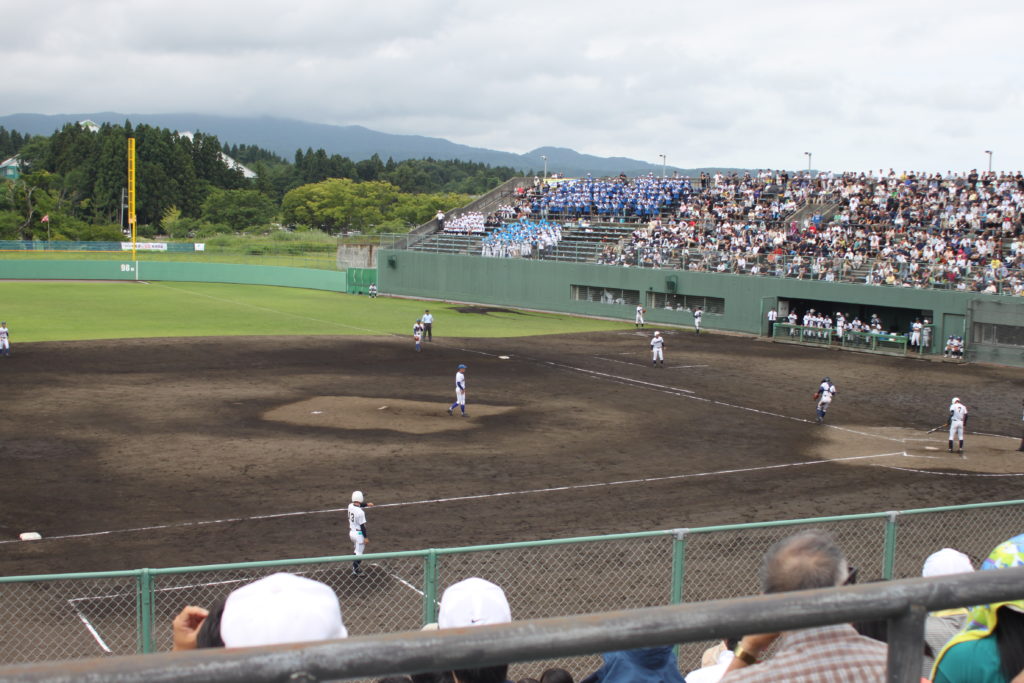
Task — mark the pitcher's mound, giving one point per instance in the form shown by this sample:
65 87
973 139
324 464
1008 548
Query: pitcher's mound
395 414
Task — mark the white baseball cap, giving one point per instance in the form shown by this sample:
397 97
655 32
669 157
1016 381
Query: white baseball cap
473 602
947 561
281 608
357 496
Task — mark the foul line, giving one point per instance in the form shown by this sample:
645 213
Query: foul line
954 474
502 494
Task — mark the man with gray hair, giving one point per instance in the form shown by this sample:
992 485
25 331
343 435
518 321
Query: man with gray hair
807 560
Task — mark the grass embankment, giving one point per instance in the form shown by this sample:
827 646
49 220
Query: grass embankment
308 249
57 311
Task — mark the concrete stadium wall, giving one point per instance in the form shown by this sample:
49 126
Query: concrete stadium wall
546 285
277 276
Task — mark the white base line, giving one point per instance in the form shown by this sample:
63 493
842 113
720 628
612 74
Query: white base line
573 487
91 630
686 393
954 474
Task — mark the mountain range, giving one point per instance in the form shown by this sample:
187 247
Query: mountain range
285 136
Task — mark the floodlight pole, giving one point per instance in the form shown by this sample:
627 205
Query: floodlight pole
808 161
545 166
989 153
662 165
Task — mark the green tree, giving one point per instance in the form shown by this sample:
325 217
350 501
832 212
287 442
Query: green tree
238 209
340 204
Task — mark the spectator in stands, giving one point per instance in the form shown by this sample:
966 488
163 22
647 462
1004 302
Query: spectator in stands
991 647
646 665
280 608
556 675
941 626
440 219
810 559
475 602
714 663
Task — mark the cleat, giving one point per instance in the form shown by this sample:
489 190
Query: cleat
449 411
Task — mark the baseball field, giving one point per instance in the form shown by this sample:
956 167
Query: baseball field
136 416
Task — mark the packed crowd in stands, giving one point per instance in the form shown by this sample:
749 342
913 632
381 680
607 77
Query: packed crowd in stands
982 643
521 238
955 231
471 222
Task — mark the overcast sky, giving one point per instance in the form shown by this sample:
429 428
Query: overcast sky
866 84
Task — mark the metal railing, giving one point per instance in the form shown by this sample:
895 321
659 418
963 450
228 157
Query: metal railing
74 616
903 604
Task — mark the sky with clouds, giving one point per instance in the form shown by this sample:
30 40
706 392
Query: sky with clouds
865 84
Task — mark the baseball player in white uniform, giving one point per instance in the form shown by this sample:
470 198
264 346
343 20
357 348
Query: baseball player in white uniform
657 349
915 333
5 339
957 420
460 391
640 316
697 316
826 390
417 335
357 526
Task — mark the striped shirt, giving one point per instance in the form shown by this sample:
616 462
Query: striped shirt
829 654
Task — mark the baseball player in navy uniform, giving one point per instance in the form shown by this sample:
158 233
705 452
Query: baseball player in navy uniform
657 349
460 391
357 526
5 339
957 420
826 390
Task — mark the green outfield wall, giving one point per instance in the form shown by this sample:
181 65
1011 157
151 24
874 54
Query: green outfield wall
737 303
279 276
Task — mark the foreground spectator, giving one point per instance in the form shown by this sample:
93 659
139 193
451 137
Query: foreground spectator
991 647
941 626
475 602
715 662
556 676
277 609
810 559
646 665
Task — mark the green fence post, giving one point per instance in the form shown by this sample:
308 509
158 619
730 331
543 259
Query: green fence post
430 587
144 611
678 572
889 558
678 565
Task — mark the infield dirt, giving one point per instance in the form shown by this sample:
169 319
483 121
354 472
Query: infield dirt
173 436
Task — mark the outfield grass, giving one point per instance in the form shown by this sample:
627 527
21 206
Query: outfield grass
57 311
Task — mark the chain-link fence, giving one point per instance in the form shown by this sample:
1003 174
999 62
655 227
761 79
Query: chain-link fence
87 615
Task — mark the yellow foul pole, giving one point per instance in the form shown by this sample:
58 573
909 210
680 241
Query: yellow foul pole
131 191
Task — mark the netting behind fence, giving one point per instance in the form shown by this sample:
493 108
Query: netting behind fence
87 615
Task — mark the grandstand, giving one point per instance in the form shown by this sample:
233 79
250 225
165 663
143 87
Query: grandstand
959 236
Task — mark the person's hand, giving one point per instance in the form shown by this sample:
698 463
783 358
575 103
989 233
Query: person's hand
754 645
186 627
758 643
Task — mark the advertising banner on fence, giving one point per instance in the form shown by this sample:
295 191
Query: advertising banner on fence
144 246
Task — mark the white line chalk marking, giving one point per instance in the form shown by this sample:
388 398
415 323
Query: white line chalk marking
502 494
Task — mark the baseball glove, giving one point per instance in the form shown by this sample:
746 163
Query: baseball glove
817 395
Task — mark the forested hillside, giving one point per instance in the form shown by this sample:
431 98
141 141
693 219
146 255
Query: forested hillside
76 179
